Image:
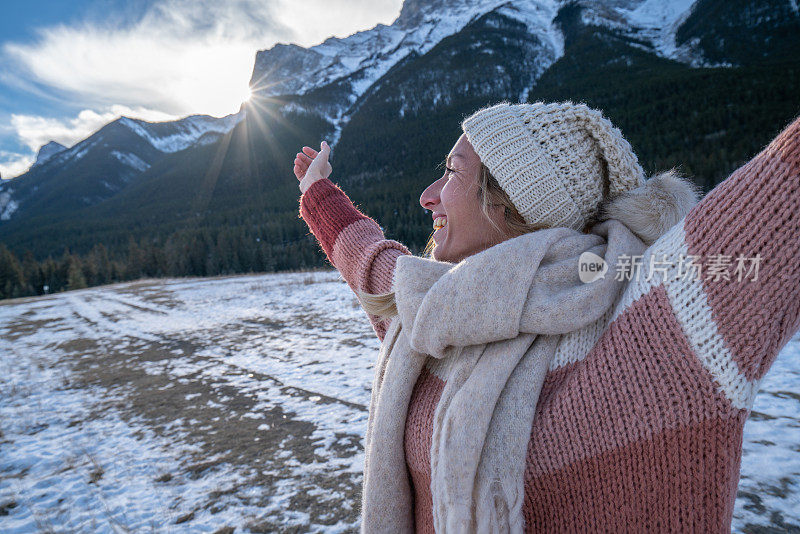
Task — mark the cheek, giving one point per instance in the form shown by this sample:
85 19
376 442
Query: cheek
456 198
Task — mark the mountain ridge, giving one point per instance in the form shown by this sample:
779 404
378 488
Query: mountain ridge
117 153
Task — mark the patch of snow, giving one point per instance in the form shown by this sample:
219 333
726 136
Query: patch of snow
256 335
76 152
208 138
659 20
174 136
653 22
769 483
539 17
70 467
294 107
7 205
131 160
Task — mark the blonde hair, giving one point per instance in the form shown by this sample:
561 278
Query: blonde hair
489 194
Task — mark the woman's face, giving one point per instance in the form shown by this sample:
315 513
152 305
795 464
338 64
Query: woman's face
454 201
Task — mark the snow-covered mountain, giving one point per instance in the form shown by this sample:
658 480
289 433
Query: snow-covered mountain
105 162
355 63
652 24
366 56
173 136
360 60
165 137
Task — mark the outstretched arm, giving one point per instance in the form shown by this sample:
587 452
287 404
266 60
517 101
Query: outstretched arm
737 321
352 242
680 365
754 213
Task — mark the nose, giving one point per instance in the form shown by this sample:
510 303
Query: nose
430 197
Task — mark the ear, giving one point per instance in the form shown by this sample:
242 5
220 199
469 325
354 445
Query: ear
653 208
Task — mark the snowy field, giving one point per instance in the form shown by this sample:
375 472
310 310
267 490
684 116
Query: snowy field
239 404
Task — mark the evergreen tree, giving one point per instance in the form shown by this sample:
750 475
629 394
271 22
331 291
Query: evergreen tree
75 275
32 273
133 261
11 278
101 265
50 270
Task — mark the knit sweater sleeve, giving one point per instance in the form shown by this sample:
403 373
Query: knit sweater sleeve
741 304
353 242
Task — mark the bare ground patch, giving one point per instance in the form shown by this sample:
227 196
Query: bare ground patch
218 418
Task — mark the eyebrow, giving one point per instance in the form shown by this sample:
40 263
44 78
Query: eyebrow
456 155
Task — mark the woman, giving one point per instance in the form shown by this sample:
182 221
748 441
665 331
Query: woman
510 395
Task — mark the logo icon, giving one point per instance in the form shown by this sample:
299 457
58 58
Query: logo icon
591 267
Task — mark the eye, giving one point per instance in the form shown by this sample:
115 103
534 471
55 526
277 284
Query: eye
448 170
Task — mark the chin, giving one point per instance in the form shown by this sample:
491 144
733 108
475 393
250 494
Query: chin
438 255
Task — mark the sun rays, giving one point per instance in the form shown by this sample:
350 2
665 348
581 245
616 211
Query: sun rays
259 138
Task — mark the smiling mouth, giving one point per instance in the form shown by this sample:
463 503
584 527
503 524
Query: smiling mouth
439 223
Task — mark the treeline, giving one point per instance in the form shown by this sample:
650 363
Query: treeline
203 252
21 278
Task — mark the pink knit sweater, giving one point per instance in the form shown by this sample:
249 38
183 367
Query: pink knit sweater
643 434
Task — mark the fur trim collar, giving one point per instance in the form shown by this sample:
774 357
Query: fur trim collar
653 208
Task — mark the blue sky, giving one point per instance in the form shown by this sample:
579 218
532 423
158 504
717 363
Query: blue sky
20 23
69 67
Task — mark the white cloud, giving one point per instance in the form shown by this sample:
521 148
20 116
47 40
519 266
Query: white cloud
313 21
182 56
13 164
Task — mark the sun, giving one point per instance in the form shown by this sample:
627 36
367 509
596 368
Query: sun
215 80
238 95
216 97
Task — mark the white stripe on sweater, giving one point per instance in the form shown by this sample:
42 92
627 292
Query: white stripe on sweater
689 303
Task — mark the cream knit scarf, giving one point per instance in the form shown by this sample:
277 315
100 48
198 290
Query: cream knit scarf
497 317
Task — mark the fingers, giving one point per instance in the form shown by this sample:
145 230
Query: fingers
302 158
311 153
301 162
307 160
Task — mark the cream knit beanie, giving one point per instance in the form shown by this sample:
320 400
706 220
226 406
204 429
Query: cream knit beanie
557 162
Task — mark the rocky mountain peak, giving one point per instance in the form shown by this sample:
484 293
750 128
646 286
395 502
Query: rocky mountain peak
414 12
47 151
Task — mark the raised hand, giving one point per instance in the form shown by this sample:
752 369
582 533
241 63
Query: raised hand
310 165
